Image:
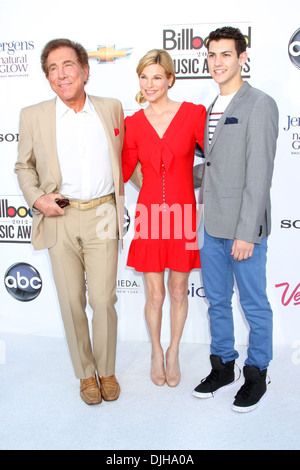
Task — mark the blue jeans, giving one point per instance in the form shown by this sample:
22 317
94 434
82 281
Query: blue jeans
218 272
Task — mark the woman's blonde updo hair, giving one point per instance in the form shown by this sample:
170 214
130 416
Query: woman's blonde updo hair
155 56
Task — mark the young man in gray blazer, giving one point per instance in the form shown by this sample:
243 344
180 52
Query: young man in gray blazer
70 148
239 147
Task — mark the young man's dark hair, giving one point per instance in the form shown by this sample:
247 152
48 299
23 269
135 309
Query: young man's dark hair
227 32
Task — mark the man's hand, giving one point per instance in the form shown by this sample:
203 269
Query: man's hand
242 250
46 205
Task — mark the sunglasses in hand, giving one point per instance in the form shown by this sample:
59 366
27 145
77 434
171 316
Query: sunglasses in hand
62 202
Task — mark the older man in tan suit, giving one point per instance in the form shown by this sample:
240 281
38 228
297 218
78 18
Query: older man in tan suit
70 173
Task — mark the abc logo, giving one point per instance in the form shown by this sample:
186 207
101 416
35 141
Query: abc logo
294 49
23 282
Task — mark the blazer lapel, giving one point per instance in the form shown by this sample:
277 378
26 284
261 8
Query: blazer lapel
105 119
232 105
235 100
107 122
48 126
206 132
108 125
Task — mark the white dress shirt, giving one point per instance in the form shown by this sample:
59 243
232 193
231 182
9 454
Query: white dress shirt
83 153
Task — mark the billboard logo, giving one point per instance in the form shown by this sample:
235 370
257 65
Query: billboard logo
15 221
186 45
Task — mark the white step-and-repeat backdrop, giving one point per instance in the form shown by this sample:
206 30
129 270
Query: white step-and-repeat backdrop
124 32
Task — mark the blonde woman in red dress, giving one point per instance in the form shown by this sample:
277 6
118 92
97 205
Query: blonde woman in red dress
162 139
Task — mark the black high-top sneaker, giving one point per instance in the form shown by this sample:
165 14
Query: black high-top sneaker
253 390
220 376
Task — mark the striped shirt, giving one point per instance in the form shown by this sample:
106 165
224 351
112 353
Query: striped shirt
216 113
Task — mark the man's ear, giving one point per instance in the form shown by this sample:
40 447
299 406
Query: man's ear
243 58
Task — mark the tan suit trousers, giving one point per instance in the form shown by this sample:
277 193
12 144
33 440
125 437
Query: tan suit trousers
84 264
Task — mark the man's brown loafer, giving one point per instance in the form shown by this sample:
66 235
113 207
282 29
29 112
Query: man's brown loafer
89 391
110 388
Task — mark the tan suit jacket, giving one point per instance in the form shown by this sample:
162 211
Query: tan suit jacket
38 168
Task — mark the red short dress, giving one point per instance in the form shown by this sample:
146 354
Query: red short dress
165 218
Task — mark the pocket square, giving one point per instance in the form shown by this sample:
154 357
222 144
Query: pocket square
231 120
117 132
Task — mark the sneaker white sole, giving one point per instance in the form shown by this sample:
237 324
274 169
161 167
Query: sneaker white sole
212 394
246 409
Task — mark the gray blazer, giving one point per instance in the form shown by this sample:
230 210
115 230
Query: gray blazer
239 166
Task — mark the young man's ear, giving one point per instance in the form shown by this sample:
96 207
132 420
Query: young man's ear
243 58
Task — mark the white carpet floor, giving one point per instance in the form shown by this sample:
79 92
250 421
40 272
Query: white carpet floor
40 407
